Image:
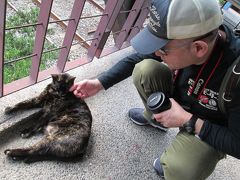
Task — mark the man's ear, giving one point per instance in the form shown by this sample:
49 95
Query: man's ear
200 48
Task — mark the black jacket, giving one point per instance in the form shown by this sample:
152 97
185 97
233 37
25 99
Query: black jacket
220 131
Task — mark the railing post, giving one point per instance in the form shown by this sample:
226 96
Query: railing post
106 23
129 23
69 35
141 18
3 6
43 18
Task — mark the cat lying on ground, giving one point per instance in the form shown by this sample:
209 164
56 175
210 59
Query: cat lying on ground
65 120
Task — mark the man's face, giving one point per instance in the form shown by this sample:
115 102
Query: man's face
177 54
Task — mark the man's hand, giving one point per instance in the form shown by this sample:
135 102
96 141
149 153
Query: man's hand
176 116
86 88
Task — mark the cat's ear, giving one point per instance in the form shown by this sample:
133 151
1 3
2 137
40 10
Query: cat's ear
54 77
71 79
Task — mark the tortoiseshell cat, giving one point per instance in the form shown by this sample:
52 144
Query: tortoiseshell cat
65 118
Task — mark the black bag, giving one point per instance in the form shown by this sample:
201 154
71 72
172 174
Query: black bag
229 84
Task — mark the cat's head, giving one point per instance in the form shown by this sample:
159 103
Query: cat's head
61 83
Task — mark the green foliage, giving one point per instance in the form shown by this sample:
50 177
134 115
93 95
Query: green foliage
221 1
19 43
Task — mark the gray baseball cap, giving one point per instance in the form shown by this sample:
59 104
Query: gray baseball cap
177 19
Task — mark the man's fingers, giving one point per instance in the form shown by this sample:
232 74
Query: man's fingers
80 93
73 87
77 86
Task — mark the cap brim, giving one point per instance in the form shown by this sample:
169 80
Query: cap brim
146 43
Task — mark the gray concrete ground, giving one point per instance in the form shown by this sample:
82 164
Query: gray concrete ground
118 149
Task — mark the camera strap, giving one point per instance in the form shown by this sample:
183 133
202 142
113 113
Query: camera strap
207 70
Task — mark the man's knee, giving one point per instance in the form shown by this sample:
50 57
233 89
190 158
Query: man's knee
174 170
189 158
150 69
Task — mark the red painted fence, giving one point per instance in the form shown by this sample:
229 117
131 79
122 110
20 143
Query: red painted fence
136 16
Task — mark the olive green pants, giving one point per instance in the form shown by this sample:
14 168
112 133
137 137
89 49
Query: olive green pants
187 157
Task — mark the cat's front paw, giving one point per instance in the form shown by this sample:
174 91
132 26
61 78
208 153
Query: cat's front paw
8 110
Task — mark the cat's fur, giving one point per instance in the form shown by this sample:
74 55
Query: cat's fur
65 120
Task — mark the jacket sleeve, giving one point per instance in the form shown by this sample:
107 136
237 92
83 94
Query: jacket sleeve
225 139
123 69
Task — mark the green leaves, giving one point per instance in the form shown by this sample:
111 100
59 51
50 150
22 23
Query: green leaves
19 43
221 2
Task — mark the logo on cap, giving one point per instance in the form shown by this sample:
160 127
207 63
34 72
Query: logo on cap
154 20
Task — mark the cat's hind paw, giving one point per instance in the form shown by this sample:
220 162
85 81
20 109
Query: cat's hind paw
16 152
7 152
10 154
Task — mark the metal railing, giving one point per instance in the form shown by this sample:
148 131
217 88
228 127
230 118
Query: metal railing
135 19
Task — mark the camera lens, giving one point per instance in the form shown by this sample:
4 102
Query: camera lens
158 102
